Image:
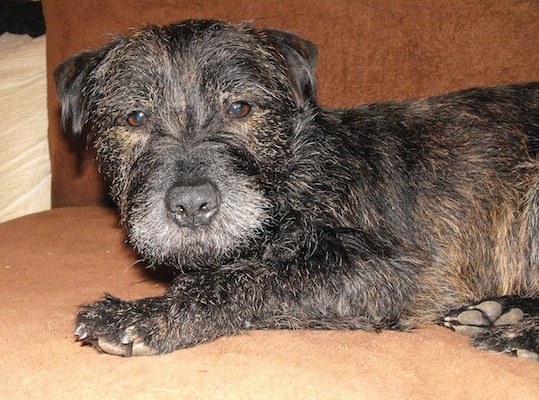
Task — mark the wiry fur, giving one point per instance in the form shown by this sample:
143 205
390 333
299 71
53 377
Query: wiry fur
380 216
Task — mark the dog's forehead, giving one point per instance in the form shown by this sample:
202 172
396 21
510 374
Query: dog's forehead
202 44
214 50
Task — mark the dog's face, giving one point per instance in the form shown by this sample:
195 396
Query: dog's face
192 123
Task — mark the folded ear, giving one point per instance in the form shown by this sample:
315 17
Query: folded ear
298 57
72 81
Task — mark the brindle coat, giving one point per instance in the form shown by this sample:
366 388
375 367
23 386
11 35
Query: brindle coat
277 213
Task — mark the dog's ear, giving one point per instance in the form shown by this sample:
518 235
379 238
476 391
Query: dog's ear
72 86
298 57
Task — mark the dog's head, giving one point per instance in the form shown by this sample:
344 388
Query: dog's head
192 122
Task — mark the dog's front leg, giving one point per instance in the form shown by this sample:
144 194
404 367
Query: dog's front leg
204 306
196 309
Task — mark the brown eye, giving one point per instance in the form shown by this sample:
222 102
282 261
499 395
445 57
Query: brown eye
137 118
239 109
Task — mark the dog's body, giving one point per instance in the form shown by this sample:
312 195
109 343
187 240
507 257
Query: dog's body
275 212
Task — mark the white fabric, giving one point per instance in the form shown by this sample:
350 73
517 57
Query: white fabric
24 155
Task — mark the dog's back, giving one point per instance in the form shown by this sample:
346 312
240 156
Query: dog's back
454 180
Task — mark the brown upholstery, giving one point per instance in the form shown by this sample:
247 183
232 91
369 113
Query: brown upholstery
53 261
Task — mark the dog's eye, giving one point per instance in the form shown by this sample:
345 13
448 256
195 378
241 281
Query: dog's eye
137 118
239 109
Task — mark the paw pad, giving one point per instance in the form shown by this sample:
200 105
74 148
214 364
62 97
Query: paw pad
497 326
480 317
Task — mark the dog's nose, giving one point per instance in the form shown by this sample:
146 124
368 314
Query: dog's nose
193 205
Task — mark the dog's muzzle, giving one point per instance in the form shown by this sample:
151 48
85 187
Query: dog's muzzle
192 206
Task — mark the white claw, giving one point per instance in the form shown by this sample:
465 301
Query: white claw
81 333
529 355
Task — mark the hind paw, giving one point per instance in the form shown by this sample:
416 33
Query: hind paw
507 325
478 318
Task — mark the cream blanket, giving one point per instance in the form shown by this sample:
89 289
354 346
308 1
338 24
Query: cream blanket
24 156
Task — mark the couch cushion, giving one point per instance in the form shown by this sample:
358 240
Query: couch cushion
54 260
369 51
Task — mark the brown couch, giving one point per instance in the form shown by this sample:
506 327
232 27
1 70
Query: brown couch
52 261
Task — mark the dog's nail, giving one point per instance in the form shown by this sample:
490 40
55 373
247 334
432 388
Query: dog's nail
529 355
81 333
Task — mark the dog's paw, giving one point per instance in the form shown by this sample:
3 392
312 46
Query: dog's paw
120 327
506 324
480 317
520 340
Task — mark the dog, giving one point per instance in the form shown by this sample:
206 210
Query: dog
274 212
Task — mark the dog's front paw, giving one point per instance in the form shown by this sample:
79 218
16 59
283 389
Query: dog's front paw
123 328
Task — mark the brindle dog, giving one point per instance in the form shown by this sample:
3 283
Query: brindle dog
277 213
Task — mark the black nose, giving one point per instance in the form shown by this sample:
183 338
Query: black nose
193 205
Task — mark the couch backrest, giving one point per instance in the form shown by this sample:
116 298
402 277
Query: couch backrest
369 50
